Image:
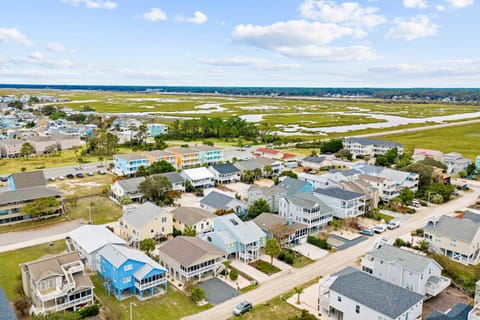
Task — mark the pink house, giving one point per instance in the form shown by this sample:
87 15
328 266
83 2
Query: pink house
422 154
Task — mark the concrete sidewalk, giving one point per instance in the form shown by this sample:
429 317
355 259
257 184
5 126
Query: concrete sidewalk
259 276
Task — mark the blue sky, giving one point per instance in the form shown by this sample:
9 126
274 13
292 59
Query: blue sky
315 43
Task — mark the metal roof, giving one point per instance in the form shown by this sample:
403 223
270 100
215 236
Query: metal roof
376 294
244 232
92 237
144 214
309 201
198 173
118 255
314 159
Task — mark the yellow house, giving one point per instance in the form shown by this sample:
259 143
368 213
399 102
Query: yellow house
147 221
198 219
186 157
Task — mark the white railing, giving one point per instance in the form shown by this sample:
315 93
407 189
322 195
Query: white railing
434 289
150 284
195 272
63 306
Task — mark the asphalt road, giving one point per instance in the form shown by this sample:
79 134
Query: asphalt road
332 262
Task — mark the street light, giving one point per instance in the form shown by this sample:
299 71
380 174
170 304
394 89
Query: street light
131 304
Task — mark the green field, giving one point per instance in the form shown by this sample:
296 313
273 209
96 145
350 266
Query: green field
464 139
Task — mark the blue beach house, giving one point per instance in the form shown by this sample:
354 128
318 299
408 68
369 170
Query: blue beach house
128 164
127 272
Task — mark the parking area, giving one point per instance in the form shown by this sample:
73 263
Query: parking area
239 188
341 243
217 291
310 251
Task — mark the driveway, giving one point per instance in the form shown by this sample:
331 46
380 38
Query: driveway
310 251
340 243
217 291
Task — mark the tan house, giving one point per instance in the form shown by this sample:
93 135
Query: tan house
42 145
10 148
147 221
57 283
457 238
199 219
66 142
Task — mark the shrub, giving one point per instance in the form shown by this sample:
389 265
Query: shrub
289 258
233 275
399 243
281 256
89 311
197 294
321 243
22 305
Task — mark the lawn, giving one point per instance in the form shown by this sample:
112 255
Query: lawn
276 308
172 305
103 210
265 267
462 275
462 138
10 277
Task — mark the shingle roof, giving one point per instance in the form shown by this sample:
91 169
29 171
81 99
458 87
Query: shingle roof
475 217
225 168
182 150
219 200
12 142
406 259
268 191
459 312
381 296
205 148
130 185
118 255
292 186
158 153
273 222
367 142
28 194
345 173
314 159
454 228
92 237
29 179
309 201
189 250
173 177
6 311
131 156
339 193
144 214
191 215
45 267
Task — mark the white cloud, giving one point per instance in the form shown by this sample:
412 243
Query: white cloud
292 33
440 7
419 4
93 4
444 68
349 13
460 3
332 54
197 18
417 27
36 55
257 63
155 14
37 58
13 35
56 47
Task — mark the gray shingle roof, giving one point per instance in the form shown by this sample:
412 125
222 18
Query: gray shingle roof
314 159
218 200
309 201
131 156
191 215
475 217
225 168
188 250
158 153
381 296
144 215
131 185
173 177
29 179
458 312
270 221
454 228
406 259
28 194
339 193
367 142
292 186
269 191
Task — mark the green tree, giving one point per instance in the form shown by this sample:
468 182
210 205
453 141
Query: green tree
259 206
406 196
226 264
304 315
424 245
189 231
268 171
26 150
248 176
233 275
257 172
42 206
444 190
142 171
155 188
344 154
331 146
272 249
161 166
197 294
147 245
298 291
289 173
425 173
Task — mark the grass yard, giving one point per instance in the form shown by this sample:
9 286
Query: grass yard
170 306
461 139
276 308
464 276
103 209
265 267
85 186
10 277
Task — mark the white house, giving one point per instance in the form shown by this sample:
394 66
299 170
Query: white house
225 173
368 147
406 269
403 179
313 162
306 208
455 162
351 294
345 204
88 240
318 181
198 177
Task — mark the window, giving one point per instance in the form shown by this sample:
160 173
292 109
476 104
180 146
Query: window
43 285
339 299
126 280
50 283
152 231
128 267
164 219
357 308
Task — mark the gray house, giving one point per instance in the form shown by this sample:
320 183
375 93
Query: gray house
218 201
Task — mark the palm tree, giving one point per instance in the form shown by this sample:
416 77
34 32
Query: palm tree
226 263
298 291
268 171
257 173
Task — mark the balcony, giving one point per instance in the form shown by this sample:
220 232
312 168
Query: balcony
435 285
150 284
60 307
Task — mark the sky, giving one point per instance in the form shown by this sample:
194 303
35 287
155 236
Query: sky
301 43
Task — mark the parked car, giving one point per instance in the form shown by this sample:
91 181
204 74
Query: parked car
242 307
367 232
70 176
416 203
393 225
269 145
51 179
90 174
79 175
101 172
4 179
247 146
61 178
379 228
